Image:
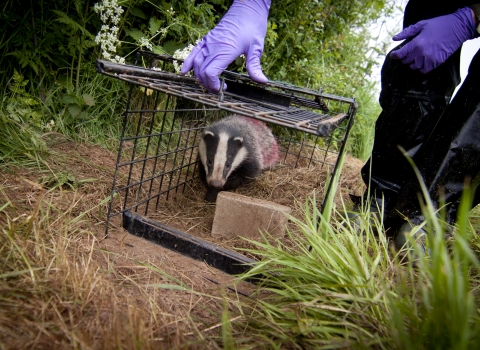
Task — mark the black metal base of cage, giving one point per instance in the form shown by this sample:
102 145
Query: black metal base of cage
215 256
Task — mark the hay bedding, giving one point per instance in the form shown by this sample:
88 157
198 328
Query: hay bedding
288 186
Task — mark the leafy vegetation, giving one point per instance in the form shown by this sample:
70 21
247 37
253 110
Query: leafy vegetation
52 46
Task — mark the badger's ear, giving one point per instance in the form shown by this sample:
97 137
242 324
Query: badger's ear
238 141
208 134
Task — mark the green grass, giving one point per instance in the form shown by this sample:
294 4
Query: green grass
329 290
329 287
338 286
340 289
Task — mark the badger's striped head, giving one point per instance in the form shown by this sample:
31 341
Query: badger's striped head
220 154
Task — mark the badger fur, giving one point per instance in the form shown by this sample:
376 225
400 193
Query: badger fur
233 151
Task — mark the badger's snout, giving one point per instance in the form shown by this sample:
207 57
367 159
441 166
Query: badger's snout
216 183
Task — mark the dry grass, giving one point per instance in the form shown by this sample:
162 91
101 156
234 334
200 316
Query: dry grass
54 294
61 287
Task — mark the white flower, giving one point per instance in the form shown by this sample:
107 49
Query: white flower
106 55
182 54
116 19
119 59
143 42
109 12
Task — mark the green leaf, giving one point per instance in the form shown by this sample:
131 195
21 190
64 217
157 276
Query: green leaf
239 61
30 101
83 116
134 33
158 50
171 46
71 177
67 99
89 99
2 208
137 12
63 18
90 179
154 25
74 110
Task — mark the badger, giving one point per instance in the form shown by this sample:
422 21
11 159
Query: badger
233 151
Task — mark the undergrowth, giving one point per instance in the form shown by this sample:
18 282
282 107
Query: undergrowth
337 288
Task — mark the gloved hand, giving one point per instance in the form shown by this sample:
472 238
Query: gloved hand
434 39
241 31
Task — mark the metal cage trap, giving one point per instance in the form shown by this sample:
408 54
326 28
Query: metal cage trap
164 115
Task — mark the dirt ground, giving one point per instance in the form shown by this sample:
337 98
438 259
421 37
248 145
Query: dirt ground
78 181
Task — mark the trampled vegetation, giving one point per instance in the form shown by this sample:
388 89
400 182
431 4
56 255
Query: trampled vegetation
61 286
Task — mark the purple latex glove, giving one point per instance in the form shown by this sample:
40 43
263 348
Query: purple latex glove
435 39
241 31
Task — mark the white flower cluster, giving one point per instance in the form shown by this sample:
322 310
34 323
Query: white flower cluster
171 12
110 12
49 125
182 54
143 42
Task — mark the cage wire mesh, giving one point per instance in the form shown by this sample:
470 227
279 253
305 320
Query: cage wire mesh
166 112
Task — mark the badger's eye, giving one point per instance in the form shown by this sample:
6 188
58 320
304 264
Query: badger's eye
227 165
210 162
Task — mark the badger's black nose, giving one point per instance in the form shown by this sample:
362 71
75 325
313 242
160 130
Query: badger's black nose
216 184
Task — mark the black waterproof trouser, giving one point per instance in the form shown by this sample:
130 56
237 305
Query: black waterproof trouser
442 137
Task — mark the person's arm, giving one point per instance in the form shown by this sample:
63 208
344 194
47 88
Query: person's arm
434 40
241 31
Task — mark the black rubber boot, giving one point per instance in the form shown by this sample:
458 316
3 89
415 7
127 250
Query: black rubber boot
374 208
411 230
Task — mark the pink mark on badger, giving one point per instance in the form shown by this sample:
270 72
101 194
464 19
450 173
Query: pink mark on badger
271 158
270 154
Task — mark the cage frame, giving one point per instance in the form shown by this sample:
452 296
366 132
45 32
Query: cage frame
269 102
